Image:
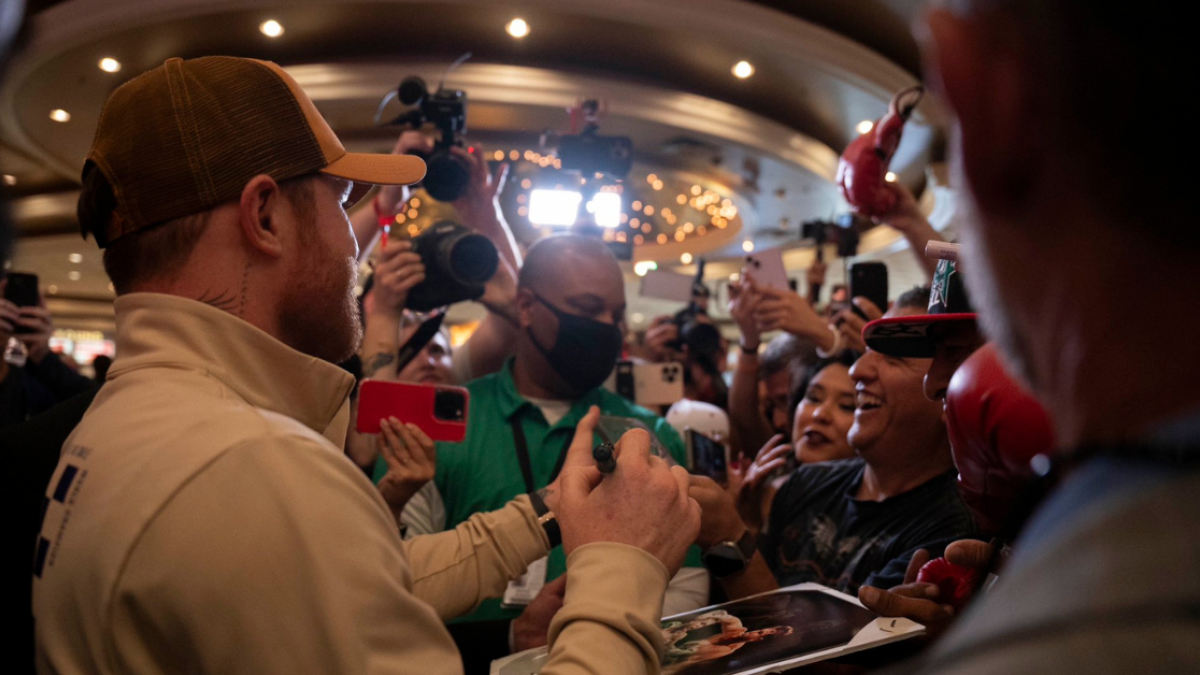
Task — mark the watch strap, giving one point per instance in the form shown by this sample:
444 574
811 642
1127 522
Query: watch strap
547 519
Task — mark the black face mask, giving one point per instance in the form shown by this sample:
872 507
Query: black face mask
585 351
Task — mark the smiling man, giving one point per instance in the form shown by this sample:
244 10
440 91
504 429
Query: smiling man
856 521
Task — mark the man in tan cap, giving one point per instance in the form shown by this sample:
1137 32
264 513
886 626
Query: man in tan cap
203 516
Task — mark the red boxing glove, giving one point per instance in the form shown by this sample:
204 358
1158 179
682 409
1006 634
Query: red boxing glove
956 584
864 165
995 429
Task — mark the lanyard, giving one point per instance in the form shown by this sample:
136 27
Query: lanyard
523 455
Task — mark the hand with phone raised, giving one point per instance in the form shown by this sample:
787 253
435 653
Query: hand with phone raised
643 503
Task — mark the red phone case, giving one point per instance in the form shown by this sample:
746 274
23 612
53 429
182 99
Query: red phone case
411 404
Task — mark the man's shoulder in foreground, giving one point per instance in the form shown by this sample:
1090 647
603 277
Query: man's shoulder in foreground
1107 588
161 501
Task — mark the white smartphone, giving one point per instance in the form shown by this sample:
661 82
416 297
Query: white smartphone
767 270
648 384
664 285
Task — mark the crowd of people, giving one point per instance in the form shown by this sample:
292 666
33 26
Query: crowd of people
209 505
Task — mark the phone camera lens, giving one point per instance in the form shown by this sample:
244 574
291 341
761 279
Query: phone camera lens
449 405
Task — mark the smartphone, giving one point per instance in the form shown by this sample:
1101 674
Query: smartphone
648 384
610 429
707 456
440 411
767 270
22 291
869 280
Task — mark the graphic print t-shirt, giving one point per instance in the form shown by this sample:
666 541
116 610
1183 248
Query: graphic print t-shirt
820 532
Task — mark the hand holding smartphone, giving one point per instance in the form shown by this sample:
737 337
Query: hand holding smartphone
869 280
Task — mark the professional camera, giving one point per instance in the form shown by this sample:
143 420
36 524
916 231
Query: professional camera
446 174
458 262
590 153
702 338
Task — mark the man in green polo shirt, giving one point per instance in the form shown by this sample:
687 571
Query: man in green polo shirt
571 309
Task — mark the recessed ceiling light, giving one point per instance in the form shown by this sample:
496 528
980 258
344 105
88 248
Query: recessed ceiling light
743 69
10 179
865 126
75 258
517 28
686 258
60 115
73 275
52 289
890 177
747 246
109 64
271 28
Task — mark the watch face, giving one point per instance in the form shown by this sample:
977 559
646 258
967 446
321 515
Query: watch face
723 560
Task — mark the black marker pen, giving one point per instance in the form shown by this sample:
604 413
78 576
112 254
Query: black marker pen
605 461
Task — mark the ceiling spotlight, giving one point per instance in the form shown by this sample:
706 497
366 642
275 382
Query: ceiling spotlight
60 115
75 258
109 64
686 258
10 179
271 28
748 246
517 28
890 177
73 275
865 126
743 69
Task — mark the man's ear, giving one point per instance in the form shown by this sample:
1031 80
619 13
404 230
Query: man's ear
259 212
979 67
525 301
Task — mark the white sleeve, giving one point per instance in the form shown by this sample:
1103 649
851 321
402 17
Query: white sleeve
425 513
687 591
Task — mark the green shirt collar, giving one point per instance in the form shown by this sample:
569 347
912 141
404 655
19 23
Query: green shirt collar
511 401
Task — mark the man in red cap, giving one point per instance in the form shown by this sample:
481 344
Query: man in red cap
995 429
203 516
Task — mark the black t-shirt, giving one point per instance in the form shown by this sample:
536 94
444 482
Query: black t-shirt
820 532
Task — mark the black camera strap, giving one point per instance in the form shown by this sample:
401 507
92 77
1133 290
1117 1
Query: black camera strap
522 449
424 333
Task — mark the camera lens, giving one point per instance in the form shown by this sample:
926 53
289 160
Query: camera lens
472 259
449 405
446 176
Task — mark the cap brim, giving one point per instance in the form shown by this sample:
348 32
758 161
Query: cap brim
377 169
907 337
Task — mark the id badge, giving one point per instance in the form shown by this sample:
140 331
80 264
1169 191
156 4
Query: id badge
522 590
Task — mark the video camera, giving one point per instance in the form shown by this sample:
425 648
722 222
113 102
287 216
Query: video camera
590 153
446 175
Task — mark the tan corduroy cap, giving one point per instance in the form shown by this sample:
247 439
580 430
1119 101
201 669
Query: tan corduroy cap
189 135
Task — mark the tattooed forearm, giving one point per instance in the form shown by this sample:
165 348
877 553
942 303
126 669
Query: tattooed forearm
378 362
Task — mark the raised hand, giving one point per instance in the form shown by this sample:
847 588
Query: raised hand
411 460
850 325
748 480
787 311
743 301
396 273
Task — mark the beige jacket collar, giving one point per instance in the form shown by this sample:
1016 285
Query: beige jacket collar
166 331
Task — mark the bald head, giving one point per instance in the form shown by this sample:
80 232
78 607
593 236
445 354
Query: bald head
558 259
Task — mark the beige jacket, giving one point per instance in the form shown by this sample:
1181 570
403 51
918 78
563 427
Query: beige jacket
204 519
